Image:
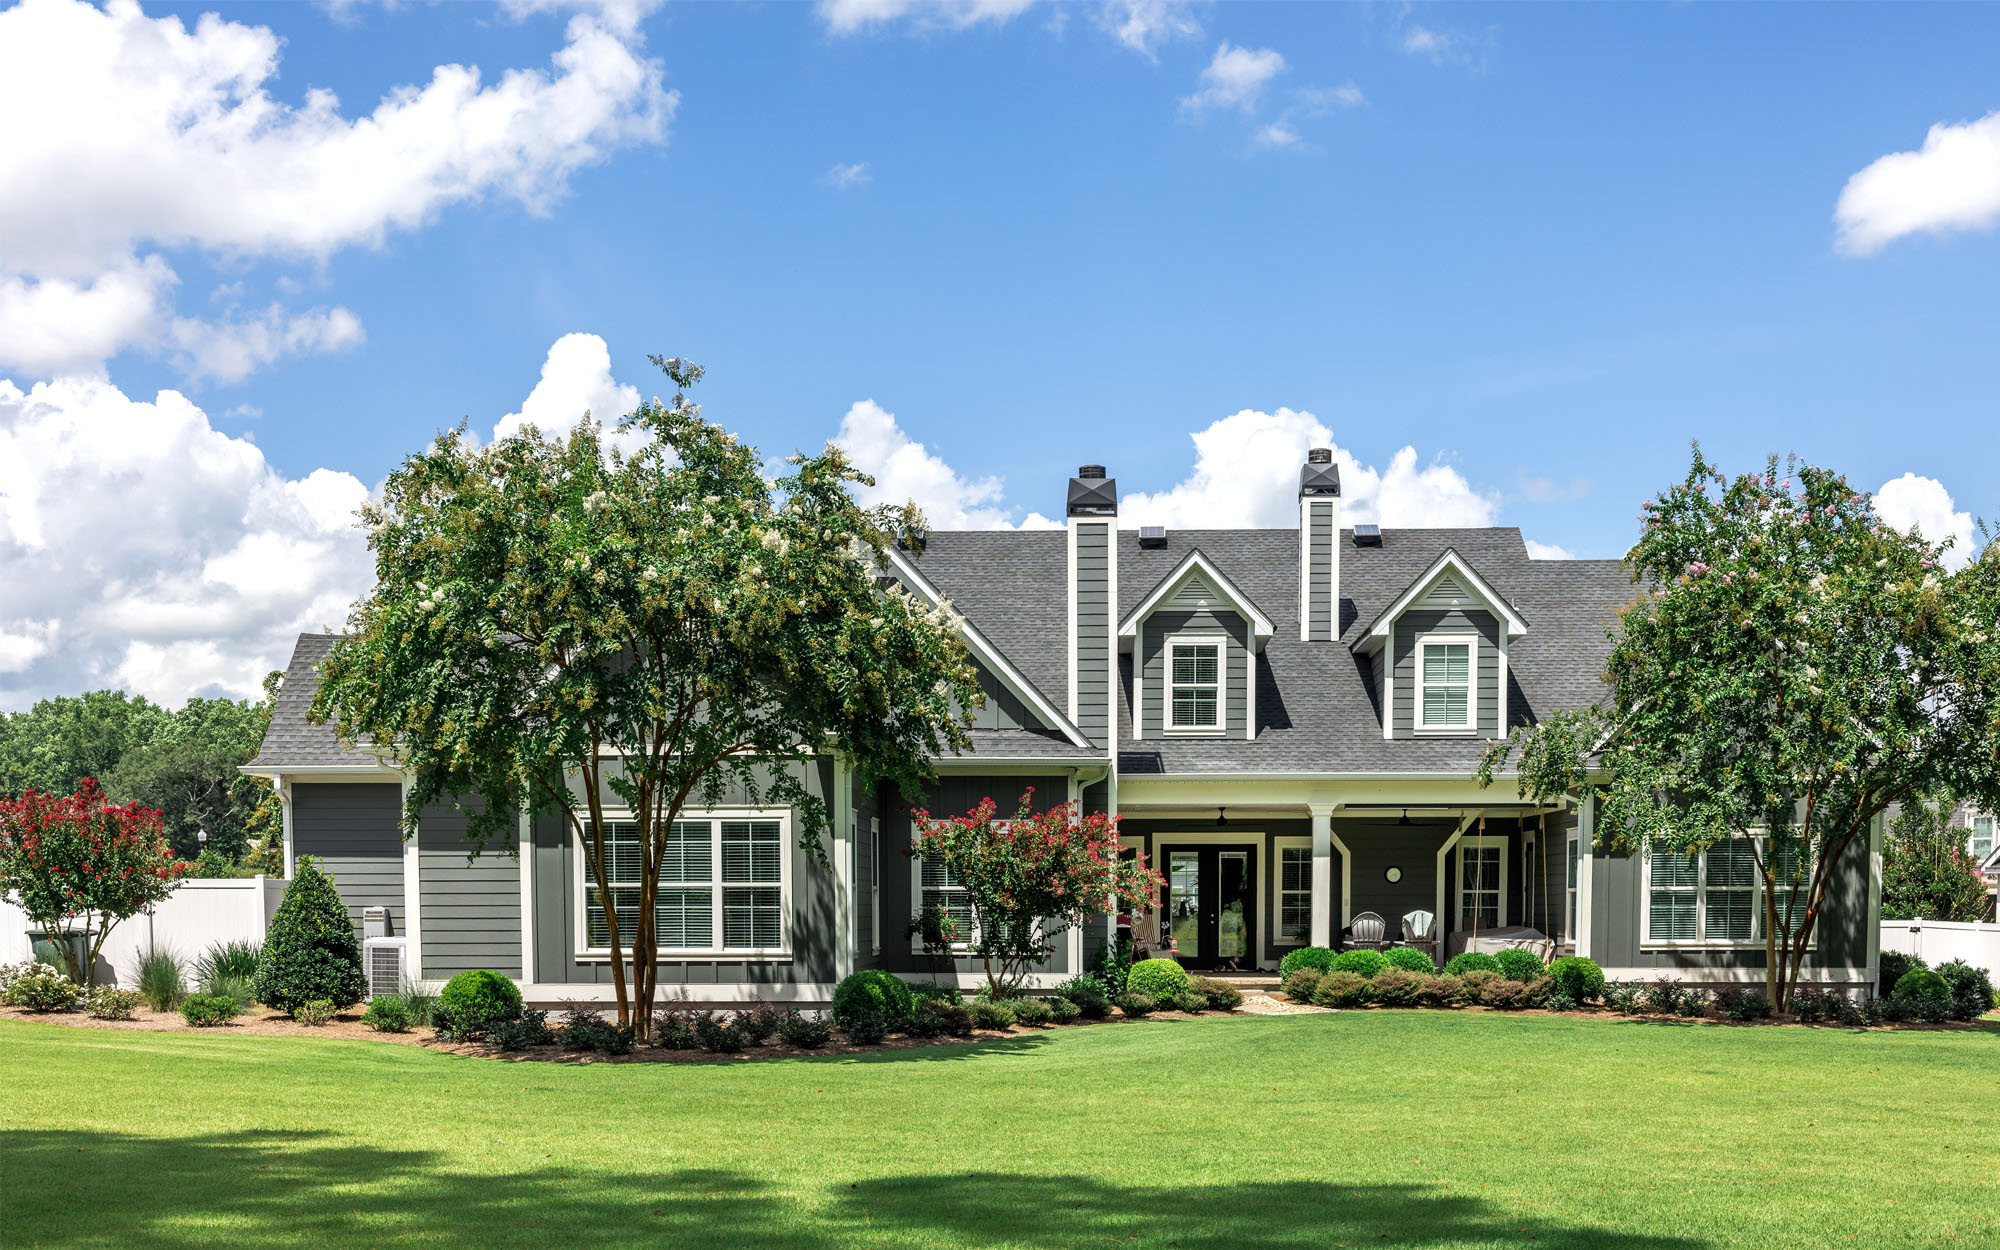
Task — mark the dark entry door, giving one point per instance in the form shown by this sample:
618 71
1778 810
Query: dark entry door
1211 904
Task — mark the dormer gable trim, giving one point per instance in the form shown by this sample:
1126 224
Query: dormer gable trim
989 655
1462 575
1196 565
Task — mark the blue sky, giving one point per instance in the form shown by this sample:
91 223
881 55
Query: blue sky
1542 246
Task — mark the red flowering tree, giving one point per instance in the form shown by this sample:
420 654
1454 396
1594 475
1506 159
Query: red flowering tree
1028 878
76 863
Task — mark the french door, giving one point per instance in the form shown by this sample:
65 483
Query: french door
1211 904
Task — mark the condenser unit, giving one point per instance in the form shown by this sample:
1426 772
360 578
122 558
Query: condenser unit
387 961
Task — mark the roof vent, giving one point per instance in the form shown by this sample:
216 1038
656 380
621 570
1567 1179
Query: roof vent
1152 535
1090 472
1320 455
1367 535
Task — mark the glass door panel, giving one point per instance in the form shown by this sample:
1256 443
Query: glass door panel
1184 901
1232 934
1479 887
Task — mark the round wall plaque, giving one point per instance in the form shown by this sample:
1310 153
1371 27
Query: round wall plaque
1393 874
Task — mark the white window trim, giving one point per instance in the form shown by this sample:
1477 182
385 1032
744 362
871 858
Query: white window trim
1279 846
1972 834
1458 911
1754 942
1572 856
1471 726
917 902
583 883
1220 642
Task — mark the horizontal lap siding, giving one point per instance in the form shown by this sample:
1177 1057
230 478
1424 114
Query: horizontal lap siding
471 910
1378 845
1163 625
1413 625
354 830
1321 587
1092 696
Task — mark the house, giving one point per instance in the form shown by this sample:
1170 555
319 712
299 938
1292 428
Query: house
1286 721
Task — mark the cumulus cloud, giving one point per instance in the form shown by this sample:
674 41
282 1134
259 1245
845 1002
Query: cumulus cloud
1951 183
843 176
904 469
151 136
143 548
576 380
1235 77
230 350
1246 474
1547 551
1144 25
846 17
1924 505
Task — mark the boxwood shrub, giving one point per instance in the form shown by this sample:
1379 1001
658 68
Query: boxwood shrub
1519 965
1971 989
1362 963
1894 964
1577 977
205 1011
388 1013
476 1000
1920 983
1162 978
310 952
1136 1005
1317 957
1410 959
871 991
1471 961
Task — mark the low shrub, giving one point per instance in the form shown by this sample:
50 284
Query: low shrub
1341 989
1921 983
1578 978
1061 1010
583 1028
1221 995
1162 978
803 1031
714 1034
949 1018
162 981
422 1001
43 991
1971 989
1299 986
315 1014
1398 987
1622 997
1318 958
11 974
1137 1006
758 1023
530 1028
1742 1004
931 991
1441 990
1664 997
388 1013
1090 995
1503 993
1893 965
477 1000
673 1025
242 989
987 1014
1560 1001
1189 1001
206 1011
1694 1003
1034 1013
1362 963
108 1002
1472 985
1519 965
865 1028
1411 959
1471 961
1843 1009
870 992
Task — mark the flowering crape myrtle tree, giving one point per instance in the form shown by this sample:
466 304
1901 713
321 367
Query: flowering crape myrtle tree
1029 878
1792 667
76 863
561 626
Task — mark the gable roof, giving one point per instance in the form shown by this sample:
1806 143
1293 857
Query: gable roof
1447 563
1196 564
290 741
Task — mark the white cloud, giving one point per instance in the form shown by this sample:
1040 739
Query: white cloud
230 350
1143 25
576 378
904 469
622 16
841 177
846 17
1547 551
1235 77
1924 505
143 548
1246 474
1951 183
152 136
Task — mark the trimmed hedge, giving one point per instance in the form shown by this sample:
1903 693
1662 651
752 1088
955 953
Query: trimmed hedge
310 952
1410 959
1362 963
871 992
1316 957
1519 965
478 999
1472 961
1162 978
1577 977
1971 989
1341 989
1921 983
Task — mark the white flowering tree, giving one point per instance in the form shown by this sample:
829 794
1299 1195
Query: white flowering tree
562 626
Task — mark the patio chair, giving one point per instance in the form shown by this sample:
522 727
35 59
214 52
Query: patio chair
1417 929
1367 932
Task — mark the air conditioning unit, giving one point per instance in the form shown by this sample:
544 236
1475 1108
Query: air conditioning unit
374 922
387 962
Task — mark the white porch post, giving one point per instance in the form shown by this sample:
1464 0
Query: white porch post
1322 895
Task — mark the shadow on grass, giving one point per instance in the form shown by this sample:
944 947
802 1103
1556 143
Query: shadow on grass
268 1189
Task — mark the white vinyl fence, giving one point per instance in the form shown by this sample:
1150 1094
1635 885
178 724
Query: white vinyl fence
197 915
1941 941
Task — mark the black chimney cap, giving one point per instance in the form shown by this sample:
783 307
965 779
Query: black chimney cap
1090 472
1319 475
1320 455
1091 493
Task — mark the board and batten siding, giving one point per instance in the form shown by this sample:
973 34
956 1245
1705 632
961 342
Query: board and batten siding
470 908
1226 624
1003 708
354 830
1413 625
1093 628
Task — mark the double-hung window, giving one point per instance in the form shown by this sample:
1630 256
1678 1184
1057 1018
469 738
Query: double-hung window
1194 695
941 889
1447 700
1482 882
1717 897
1575 858
1981 842
721 885
1295 883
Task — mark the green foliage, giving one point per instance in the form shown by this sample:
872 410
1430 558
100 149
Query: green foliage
1318 957
161 982
1742 1004
1190 1001
1927 873
1035 1013
1971 989
206 1011
310 951
1471 961
43 989
1579 978
803 1031
540 595
1623 997
1115 964
388 1013
478 999
1162 978
1300 983
315 1014
1441 990
1063 1011
1221 995
227 959
948 1017
1892 966
1089 993
1473 984
1921 983
1398 987
531 1028
870 992
585 1028
108 1002
1504 993
242 989
421 999
867 1028
1519 965
1137 1004
989 1014
1341 989
1411 959
758 1022
1362 963
674 1025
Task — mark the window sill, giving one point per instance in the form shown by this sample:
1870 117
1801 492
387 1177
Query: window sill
1194 733
1446 733
1756 944
602 956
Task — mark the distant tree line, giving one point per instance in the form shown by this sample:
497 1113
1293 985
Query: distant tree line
183 762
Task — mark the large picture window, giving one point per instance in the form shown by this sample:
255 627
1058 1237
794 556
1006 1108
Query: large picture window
1195 693
1447 700
1715 898
721 888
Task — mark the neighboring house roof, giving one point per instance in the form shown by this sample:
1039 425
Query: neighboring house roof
291 741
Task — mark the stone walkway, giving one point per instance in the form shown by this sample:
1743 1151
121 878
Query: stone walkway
1258 1003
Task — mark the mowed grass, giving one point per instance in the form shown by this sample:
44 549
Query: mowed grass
1350 1129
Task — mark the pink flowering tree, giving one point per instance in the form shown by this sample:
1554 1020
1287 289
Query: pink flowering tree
1030 877
1790 666
76 863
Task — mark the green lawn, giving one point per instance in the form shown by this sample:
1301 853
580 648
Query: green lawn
1356 1128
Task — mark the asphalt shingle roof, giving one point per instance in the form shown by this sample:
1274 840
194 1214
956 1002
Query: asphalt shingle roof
290 741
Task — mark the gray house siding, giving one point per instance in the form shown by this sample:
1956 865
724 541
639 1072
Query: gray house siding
354 830
1003 709
1320 620
868 864
1163 625
1186 834
1378 844
1413 625
1093 627
470 908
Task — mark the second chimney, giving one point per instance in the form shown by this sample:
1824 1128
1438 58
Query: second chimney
1319 547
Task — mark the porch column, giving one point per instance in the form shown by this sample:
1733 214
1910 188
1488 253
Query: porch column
1322 895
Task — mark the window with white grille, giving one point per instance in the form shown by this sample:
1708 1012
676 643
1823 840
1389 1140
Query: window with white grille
1716 898
1295 880
721 887
1446 698
1194 676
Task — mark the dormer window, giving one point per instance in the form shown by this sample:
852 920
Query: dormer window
1447 699
1194 702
